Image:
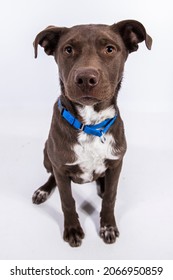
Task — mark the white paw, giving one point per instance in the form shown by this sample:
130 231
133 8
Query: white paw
109 234
39 196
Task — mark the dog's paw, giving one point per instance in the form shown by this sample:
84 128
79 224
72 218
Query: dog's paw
73 236
39 196
109 234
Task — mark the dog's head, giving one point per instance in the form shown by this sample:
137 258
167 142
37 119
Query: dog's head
91 57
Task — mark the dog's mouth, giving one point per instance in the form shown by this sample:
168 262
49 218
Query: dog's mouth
88 100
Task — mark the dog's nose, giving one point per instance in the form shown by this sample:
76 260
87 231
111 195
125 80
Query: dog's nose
86 78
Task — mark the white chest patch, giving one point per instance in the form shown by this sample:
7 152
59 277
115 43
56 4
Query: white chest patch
90 152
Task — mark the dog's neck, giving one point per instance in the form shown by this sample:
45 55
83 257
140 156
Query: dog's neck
91 116
94 123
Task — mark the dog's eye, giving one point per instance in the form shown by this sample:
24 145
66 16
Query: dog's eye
109 49
68 49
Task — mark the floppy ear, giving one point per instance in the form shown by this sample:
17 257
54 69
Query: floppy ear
132 33
48 39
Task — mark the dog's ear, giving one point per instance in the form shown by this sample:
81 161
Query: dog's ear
132 33
48 39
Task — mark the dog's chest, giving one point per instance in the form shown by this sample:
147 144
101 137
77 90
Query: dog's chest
90 153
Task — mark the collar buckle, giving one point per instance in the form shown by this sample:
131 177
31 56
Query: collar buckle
82 127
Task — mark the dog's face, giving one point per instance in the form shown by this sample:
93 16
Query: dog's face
91 57
91 60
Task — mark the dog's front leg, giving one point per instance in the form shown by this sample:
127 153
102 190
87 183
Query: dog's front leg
108 227
73 232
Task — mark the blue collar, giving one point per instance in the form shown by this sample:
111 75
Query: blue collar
99 129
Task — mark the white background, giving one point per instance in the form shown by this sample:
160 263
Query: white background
28 89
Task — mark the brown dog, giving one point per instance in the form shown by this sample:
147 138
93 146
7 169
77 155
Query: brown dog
86 140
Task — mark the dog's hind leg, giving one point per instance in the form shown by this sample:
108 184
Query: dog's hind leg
42 194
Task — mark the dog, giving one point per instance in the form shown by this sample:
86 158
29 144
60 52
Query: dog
86 141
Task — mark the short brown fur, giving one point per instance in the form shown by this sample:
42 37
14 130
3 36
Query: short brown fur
91 61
